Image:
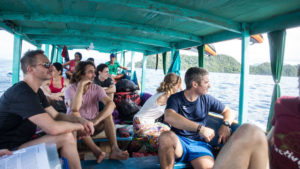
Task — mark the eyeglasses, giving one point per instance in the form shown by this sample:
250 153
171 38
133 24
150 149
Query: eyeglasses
46 64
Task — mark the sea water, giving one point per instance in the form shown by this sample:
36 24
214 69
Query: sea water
224 87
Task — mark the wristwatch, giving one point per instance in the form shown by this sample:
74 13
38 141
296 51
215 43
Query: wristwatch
226 123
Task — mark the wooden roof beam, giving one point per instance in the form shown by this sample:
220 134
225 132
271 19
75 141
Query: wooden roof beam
98 21
175 11
93 34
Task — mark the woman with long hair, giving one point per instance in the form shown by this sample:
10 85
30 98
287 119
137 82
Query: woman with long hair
147 123
72 64
55 87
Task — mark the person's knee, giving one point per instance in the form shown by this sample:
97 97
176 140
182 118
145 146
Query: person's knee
250 135
67 138
166 139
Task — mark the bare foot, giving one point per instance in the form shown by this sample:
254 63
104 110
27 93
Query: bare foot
100 156
119 155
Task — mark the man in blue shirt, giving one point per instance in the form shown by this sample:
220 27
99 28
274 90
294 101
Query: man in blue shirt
187 113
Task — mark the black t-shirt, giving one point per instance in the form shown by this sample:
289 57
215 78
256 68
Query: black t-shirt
105 83
17 104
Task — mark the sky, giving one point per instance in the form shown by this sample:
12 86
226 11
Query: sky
258 53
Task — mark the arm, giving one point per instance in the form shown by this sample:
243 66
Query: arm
122 67
76 102
111 89
108 109
178 121
224 131
52 127
66 64
5 152
88 126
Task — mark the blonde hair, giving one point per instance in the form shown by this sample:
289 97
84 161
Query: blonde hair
170 81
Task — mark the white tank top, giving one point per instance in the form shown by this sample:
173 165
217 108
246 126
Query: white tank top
151 110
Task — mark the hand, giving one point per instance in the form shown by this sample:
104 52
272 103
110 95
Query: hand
224 133
207 133
88 126
84 82
5 152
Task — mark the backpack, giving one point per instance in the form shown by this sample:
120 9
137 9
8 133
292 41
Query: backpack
127 104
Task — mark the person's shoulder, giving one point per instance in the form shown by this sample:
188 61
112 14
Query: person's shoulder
71 87
287 101
107 62
176 95
109 79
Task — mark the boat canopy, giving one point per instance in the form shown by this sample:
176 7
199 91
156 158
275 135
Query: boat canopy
147 26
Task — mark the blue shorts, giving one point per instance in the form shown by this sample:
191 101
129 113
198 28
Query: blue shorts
193 149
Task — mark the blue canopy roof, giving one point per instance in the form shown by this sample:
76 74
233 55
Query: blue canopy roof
146 26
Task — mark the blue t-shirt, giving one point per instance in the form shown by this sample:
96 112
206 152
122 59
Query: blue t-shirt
196 111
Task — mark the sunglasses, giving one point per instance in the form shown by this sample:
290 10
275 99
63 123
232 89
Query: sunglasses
46 65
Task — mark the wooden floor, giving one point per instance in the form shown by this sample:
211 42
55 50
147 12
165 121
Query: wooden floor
150 162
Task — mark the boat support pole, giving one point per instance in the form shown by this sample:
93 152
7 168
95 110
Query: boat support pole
16 58
144 67
132 64
52 53
59 57
164 55
201 52
47 50
243 101
123 58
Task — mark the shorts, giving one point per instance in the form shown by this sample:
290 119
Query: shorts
193 149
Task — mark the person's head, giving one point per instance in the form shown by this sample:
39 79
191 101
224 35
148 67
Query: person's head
57 69
78 56
34 62
83 70
197 79
113 57
171 84
91 60
102 71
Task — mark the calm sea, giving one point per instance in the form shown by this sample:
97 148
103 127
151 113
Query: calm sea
224 87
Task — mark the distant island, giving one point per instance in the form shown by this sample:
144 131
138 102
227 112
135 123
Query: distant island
219 63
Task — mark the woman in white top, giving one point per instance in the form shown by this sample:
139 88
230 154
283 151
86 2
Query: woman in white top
146 125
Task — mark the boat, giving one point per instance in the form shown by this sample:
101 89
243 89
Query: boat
152 27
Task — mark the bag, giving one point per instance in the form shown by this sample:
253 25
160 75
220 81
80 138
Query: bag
125 85
133 96
127 104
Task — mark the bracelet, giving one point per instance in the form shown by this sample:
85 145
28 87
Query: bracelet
199 128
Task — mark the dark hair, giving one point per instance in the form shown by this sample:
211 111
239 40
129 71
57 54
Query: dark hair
194 74
100 68
90 60
113 55
79 54
80 71
29 59
58 67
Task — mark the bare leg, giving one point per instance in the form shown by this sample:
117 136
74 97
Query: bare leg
110 132
204 162
169 149
99 154
66 143
247 148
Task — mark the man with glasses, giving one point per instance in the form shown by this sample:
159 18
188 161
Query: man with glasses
24 106
187 113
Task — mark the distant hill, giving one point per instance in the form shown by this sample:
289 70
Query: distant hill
218 63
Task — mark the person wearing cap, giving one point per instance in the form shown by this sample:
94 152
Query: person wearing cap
113 65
